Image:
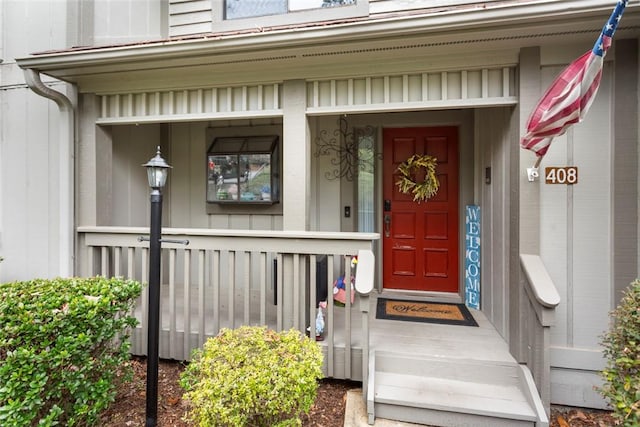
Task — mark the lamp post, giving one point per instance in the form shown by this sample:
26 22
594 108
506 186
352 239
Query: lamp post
157 171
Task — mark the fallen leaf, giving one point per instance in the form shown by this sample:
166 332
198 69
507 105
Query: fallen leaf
578 415
173 400
562 422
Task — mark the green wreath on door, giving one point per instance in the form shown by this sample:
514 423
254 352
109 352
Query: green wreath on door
421 190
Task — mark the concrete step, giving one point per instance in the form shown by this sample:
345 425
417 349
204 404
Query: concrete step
452 392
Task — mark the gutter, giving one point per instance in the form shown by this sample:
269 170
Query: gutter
66 141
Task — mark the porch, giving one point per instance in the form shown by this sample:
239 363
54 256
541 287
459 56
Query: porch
416 372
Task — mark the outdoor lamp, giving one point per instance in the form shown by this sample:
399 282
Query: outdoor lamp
157 170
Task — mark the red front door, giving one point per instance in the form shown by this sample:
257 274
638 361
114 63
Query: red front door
420 240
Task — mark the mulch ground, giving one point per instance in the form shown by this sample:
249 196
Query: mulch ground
129 407
328 410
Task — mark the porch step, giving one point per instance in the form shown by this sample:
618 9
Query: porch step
452 392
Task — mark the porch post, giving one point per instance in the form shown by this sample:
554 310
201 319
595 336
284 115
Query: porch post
530 92
296 152
529 202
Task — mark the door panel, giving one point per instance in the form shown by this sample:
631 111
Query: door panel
420 243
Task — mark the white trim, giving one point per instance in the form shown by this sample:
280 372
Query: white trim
163 118
414 106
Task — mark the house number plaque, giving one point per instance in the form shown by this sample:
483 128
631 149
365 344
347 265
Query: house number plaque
561 175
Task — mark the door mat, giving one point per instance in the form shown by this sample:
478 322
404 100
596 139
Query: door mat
429 312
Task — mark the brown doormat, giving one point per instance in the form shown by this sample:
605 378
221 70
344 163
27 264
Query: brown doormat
429 312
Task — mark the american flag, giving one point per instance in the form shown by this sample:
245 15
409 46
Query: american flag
569 97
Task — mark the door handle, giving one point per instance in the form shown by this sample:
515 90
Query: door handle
387 225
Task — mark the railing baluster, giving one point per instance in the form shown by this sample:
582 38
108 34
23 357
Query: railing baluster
216 291
296 292
347 316
90 260
201 314
186 306
231 262
117 255
330 318
145 296
263 288
247 288
304 292
130 262
279 298
173 339
104 261
313 307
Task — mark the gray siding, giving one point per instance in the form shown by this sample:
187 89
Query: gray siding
125 21
190 17
28 187
29 184
625 168
495 146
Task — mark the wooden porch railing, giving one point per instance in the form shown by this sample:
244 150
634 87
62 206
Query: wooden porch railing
229 278
537 309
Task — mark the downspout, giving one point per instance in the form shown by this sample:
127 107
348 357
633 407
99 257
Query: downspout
66 134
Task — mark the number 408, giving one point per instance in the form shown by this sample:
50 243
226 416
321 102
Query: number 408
561 175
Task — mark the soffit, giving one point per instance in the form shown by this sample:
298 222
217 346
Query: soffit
415 42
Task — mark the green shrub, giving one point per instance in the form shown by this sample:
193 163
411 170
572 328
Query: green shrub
622 350
253 376
62 344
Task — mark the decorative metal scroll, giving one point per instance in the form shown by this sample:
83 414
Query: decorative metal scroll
352 150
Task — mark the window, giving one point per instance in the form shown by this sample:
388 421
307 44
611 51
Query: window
366 176
245 14
243 170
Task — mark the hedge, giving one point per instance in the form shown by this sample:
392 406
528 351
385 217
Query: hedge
63 348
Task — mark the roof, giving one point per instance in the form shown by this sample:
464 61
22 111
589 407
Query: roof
441 29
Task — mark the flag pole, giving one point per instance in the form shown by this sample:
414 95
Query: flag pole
532 173
538 161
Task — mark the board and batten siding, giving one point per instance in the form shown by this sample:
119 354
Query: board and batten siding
494 145
30 162
474 87
29 187
576 240
124 21
243 101
184 147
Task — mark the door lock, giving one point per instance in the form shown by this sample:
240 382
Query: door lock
387 225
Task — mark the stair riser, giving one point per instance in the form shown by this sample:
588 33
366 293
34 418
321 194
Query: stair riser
443 418
486 374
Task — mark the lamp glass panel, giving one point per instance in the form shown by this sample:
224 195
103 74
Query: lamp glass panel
157 177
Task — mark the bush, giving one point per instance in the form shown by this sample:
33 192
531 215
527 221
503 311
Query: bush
253 376
622 350
62 343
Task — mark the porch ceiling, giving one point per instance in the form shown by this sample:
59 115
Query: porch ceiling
314 52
